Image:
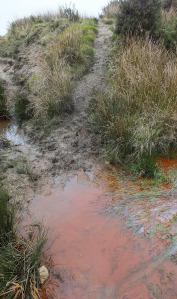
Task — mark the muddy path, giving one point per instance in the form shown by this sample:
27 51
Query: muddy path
72 146
68 147
109 237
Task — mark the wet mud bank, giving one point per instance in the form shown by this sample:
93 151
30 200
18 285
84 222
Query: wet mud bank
94 254
23 169
31 160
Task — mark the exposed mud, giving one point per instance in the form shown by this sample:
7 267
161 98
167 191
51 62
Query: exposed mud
72 146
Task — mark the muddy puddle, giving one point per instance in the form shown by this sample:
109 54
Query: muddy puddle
11 132
94 255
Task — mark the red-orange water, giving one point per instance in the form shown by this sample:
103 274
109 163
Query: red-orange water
95 256
167 164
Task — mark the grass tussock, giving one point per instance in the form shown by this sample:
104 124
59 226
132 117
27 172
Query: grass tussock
36 28
66 57
52 88
155 20
137 117
20 257
6 216
169 28
111 9
3 103
64 46
20 260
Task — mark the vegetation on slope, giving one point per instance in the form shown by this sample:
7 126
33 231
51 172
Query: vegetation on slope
63 44
110 12
66 57
136 116
35 29
141 106
138 17
20 257
168 32
3 107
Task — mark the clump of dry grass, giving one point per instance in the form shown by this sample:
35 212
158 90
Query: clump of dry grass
20 260
66 46
3 102
137 118
51 90
64 42
111 9
37 28
52 87
20 256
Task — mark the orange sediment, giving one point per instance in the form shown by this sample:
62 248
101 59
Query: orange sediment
94 255
167 164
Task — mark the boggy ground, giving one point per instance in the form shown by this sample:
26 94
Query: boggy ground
109 237
70 145
94 253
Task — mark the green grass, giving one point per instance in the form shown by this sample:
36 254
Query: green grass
68 55
23 111
137 116
6 216
3 107
20 256
169 29
26 31
66 43
145 167
20 260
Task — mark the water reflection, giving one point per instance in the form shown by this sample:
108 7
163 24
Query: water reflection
12 133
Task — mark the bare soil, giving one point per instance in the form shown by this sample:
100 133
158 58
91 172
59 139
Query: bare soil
71 145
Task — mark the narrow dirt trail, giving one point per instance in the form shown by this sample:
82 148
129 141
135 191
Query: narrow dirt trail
95 256
95 79
72 146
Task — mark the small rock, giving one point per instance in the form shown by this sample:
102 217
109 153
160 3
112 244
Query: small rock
141 230
44 274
